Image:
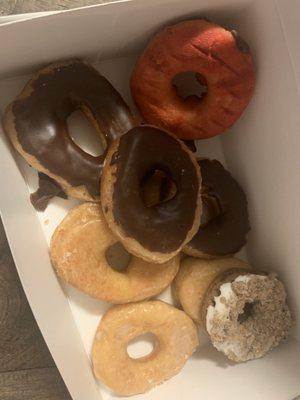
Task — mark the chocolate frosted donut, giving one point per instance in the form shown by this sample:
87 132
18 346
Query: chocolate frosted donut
158 232
224 221
36 123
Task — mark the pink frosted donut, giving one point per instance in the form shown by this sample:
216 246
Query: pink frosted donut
221 60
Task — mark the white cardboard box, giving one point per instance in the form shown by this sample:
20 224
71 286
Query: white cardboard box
261 150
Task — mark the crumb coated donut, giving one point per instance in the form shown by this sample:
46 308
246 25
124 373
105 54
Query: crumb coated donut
224 221
83 251
36 123
248 316
194 278
219 57
176 340
155 233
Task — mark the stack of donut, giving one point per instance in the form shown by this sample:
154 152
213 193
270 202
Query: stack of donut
155 213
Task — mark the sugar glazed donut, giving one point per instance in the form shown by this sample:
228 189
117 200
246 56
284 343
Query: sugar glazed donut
159 232
194 278
221 60
176 340
224 221
87 255
244 311
36 123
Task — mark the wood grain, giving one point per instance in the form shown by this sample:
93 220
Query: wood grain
21 343
23 6
33 384
27 370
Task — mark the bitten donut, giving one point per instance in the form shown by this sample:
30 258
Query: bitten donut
87 255
220 59
176 340
195 277
244 311
224 221
36 123
159 232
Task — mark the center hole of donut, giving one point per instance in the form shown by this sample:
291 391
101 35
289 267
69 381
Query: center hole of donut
141 346
84 134
211 209
248 312
190 84
157 187
117 257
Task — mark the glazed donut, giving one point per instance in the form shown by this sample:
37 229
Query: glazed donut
87 255
153 233
36 123
195 277
224 221
220 59
244 312
176 340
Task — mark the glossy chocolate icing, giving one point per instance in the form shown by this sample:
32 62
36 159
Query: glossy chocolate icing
223 230
47 189
41 120
164 226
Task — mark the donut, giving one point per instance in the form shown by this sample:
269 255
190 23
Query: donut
248 315
244 311
224 221
88 256
157 233
176 340
220 59
36 123
195 277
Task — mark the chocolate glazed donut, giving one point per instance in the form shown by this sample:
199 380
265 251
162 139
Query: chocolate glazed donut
158 232
36 123
224 221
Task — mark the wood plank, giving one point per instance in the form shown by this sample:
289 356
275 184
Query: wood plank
21 343
23 6
33 384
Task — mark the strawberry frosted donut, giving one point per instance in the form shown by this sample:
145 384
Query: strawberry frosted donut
220 59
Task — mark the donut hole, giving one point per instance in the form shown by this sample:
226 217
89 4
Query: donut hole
211 209
142 346
248 311
217 294
157 187
84 134
117 257
190 84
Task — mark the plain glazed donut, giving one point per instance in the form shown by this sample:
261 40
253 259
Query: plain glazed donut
224 221
153 233
36 123
195 277
83 249
176 340
221 59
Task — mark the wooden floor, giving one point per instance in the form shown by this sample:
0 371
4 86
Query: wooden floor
27 370
8 7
